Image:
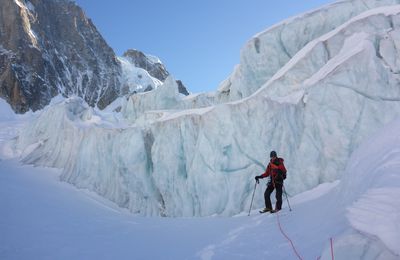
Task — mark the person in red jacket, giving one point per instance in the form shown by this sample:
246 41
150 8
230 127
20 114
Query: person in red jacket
277 172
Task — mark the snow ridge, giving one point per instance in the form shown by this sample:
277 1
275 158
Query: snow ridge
269 51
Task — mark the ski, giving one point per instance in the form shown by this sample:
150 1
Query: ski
270 211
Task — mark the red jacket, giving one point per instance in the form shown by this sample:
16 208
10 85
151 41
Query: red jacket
273 168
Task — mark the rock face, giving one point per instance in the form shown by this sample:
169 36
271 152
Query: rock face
181 88
50 47
153 66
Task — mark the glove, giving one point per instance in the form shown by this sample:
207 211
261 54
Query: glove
257 179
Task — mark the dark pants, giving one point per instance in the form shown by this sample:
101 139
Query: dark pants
267 195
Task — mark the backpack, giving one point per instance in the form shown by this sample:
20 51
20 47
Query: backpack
283 173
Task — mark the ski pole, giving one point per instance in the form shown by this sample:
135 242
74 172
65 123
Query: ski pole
251 204
284 190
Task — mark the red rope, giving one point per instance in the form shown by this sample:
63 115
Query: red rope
332 256
288 238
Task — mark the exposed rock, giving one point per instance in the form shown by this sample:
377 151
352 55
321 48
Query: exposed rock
181 88
50 47
153 66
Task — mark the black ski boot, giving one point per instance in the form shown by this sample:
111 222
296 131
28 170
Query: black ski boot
265 210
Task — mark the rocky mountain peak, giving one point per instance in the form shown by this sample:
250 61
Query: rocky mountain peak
153 66
149 63
50 47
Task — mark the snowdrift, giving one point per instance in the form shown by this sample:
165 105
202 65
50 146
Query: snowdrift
315 109
360 213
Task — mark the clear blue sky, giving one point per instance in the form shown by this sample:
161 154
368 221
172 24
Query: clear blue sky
198 41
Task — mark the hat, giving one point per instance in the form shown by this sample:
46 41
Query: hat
272 154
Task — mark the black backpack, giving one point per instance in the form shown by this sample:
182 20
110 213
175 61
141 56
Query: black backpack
282 173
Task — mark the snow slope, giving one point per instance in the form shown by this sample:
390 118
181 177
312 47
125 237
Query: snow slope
134 79
6 113
43 218
360 213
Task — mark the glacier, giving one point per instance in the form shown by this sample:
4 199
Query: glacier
270 50
359 213
168 155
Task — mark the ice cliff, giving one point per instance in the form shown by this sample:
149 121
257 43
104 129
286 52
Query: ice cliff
268 51
313 99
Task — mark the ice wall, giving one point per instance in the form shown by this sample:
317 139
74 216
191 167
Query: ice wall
268 51
315 110
165 96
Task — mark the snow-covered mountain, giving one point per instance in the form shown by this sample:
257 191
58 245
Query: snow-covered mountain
50 47
149 63
136 79
142 72
165 154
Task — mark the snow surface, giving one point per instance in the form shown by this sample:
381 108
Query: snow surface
6 113
154 59
43 218
134 79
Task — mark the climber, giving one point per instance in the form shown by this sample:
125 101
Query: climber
277 172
